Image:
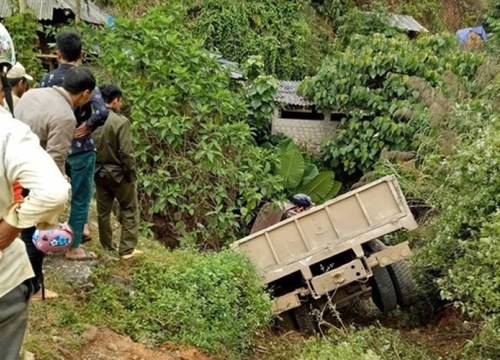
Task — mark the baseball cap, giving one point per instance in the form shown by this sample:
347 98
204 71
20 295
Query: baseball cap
18 71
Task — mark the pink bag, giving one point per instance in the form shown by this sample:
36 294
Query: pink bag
53 240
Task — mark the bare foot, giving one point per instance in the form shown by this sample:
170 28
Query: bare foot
81 254
49 295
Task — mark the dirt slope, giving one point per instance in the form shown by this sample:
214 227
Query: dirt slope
104 344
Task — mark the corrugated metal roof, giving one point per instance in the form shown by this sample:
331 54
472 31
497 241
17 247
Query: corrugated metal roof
234 72
406 22
89 12
5 8
287 93
44 9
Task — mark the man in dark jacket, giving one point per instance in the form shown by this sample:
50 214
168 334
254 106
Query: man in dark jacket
81 159
115 178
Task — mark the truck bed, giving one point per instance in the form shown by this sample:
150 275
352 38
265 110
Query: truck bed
340 224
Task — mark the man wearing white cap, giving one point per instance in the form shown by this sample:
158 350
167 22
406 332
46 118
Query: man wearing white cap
18 81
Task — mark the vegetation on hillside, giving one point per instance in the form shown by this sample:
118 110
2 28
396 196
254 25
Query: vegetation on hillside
382 109
212 301
206 160
199 171
23 30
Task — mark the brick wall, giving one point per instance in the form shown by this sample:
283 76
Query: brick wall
308 133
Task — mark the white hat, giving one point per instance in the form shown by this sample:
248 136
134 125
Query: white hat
18 71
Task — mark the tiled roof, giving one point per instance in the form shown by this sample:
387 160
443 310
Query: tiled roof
44 9
287 93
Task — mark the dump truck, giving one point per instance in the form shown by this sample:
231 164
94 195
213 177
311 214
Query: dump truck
333 252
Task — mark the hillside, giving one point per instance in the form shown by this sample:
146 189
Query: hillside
423 109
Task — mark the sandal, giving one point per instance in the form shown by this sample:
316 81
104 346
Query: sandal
85 239
86 236
39 296
87 255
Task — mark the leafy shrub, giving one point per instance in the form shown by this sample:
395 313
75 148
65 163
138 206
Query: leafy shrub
199 171
367 344
357 21
470 280
260 99
492 25
301 175
371 83
465 245
212 301
23 29
485 345
285 33
456 176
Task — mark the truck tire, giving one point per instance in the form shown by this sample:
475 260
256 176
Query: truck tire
401 277
383 291
406 290
303 319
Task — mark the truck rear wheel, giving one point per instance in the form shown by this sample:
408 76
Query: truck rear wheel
303 319
383 291
401 276
403 283
284 321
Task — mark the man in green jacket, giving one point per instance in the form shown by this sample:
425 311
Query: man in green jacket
115 177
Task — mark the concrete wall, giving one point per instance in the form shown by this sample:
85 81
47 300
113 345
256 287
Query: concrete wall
308 133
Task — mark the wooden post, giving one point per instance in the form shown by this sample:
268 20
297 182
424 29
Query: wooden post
78 11
22 6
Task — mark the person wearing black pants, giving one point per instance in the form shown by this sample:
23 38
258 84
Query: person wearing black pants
36 258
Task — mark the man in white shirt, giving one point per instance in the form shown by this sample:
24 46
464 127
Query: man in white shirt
22 158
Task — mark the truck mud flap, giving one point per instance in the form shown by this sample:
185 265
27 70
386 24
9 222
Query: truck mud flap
286 302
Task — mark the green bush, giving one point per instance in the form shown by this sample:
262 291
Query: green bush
456 176
357 21
367 344
211 301
286 33
470 280
301 175
23 29
200 174
492 22
467 239
485 345
371 82
260 100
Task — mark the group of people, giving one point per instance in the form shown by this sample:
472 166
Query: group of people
63 136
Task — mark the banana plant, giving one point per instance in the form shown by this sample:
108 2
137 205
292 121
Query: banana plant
302 176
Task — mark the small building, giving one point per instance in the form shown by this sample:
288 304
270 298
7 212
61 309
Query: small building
55 13
300 119
58 10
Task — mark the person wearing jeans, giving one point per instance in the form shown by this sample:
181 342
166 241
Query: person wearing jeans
49 112
81 170
81 159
